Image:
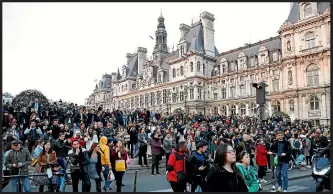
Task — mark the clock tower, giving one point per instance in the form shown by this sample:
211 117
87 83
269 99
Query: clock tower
161 48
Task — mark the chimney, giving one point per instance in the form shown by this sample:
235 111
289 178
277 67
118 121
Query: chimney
114 76
184 29
208 33
142 56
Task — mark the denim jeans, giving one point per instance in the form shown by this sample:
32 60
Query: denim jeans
25 182
62 163
125 121
282 169
106 173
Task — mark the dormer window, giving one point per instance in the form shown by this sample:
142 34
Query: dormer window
159 78
203 69
198 66
181 70
191 66
307 10
224 69
310 40
275 56
181 50
173 72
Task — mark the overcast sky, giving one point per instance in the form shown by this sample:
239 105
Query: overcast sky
61 48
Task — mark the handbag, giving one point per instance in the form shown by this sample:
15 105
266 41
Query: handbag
276 160
110 176
120 166
34 162
39 180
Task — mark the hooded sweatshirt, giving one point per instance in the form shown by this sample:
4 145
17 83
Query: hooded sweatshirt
105 151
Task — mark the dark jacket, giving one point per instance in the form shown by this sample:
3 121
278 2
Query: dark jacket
61 148
156 146
220 180
77 161
286 150
23 156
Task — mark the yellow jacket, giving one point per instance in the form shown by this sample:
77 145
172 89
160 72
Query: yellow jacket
105 151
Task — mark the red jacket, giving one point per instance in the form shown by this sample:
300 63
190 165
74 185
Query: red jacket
176 163
81 141
261 158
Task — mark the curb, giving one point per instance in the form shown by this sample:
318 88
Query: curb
289 179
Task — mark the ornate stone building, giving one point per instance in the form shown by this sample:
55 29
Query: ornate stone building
197 78
102 94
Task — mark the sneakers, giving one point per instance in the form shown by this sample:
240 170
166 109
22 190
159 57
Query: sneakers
279 189
158 174
308 166
285 191
262 181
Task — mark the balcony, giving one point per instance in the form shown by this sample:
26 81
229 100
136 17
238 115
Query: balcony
310 50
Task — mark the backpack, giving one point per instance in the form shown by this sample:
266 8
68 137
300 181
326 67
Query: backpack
297 144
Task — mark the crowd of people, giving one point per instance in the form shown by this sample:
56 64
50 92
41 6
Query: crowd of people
210 152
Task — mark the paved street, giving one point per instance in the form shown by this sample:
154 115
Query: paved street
148 183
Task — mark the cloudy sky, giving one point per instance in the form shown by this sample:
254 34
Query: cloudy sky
61 48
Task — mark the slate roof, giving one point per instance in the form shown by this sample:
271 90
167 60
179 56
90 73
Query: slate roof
294 12
106 81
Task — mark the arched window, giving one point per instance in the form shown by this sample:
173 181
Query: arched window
181 70
233 109
224 69
191 66
253 109
242 109
310 40
203 69
314 103
173 72
182 50
122 88
216 110
224 110
276 106
198 66
312 75
307 10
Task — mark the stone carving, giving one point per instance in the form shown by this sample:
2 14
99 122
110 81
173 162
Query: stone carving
290 77
288 45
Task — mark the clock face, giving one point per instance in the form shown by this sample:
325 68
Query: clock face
156 57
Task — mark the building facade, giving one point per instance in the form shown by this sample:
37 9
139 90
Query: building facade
102 94
197 78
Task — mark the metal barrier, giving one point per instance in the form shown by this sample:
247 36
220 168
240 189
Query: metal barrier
19 183
134 187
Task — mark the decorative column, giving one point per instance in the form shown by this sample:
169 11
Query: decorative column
323 109
228 113
304 107
247 108
237 108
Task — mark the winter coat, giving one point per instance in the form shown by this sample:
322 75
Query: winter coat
23 156
261 157
249 175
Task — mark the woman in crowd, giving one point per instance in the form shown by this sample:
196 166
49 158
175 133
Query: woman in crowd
90 138
45 160
119 153
94 166
247 171
156 147
223 177
168 144
143 140
261 159
38 148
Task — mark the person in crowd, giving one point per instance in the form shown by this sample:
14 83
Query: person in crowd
248 173
105 160
261 159
90 138
283 149
133 140
200 166
61 147
77 160
48 137
119 153
38 149
168 145
78 137
94 166
306 149
156 147
45 160
33 134
55 129
143 143
223 177
176 171
108 131
17 161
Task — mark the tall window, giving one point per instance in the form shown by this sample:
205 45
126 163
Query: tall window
310 40
174 97
181 70
233 109
173 72
191 94
159 78
275 56
198 66
275 84
158 97
307 10
199 93
215 96
224 93
203 69
312 75
181 96
314 103
252 90
242 109
276 106
232 92
242 90
182 50
224 110
164 96
253 109
191 66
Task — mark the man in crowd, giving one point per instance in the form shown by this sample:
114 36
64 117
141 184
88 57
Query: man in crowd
176 168
33 134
